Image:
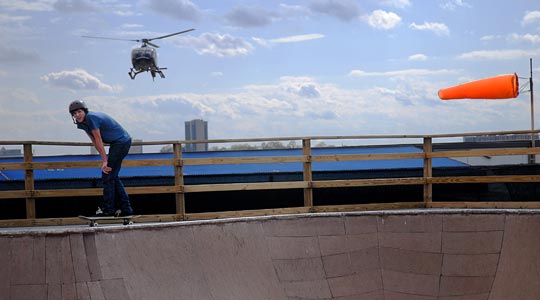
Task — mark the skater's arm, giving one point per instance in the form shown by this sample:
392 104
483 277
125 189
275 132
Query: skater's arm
98 144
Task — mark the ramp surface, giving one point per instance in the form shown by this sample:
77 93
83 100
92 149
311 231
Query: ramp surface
391 255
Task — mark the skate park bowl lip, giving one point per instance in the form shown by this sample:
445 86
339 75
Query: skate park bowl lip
66 229
391 254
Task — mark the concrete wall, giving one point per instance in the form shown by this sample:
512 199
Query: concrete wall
417 254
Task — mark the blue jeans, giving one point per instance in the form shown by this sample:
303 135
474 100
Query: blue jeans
114 194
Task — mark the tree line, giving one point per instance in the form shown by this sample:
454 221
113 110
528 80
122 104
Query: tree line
247 146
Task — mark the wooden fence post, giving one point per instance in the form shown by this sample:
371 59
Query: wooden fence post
308 173
29 182
179 180
428 171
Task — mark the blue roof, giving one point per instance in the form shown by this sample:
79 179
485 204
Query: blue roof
78 173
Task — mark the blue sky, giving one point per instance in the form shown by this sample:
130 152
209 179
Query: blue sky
265 68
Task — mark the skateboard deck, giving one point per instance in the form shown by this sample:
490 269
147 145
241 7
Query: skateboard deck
126 220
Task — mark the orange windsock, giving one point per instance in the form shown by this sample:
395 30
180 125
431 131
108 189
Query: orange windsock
498 87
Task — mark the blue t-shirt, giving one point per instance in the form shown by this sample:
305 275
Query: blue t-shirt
111 131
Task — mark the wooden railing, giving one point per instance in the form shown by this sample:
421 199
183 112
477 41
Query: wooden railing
307 184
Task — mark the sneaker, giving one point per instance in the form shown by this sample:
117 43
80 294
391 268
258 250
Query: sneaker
99 213
124 213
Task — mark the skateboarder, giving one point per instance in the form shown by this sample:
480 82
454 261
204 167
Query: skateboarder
101 129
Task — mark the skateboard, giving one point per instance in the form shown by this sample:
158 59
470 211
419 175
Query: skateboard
126 220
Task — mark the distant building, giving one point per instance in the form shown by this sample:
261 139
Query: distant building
135 149
500 159
196 130
500 138
10 152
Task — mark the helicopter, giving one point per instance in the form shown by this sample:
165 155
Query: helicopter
144 58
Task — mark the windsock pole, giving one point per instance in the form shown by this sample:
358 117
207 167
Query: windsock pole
498 87
532 157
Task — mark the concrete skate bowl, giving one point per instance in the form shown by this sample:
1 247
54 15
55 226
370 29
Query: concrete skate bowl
414 254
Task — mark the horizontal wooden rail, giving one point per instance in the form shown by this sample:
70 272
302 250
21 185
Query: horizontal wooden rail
15 194
243 160
484 152
372 206
245 186
271 159
485 179
487 204
140 190
352 157
247 213
85 164
367 182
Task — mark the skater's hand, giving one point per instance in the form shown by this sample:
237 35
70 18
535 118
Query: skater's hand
104 168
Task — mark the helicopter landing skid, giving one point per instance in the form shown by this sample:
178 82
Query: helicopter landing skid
132 73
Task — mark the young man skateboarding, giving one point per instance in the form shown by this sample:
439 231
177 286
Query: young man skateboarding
102 129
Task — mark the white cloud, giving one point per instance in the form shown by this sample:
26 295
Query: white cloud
176 9
302 106
291 106
77 79
345 10
380 19
131 26
437 28
75 6
124 13
418 57
529 38
289 39
215 44
261 41
5 19
513 37
297 38
23 95
531 17
293 11
28 5
396 3
453 4
492 37
407 72
10 55
249 17
123 10
499 54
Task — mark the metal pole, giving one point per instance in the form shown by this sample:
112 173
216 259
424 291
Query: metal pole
533 143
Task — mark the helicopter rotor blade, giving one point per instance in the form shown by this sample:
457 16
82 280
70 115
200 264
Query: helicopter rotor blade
168 35
144 41
108 38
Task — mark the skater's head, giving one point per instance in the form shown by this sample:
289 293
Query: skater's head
78 111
